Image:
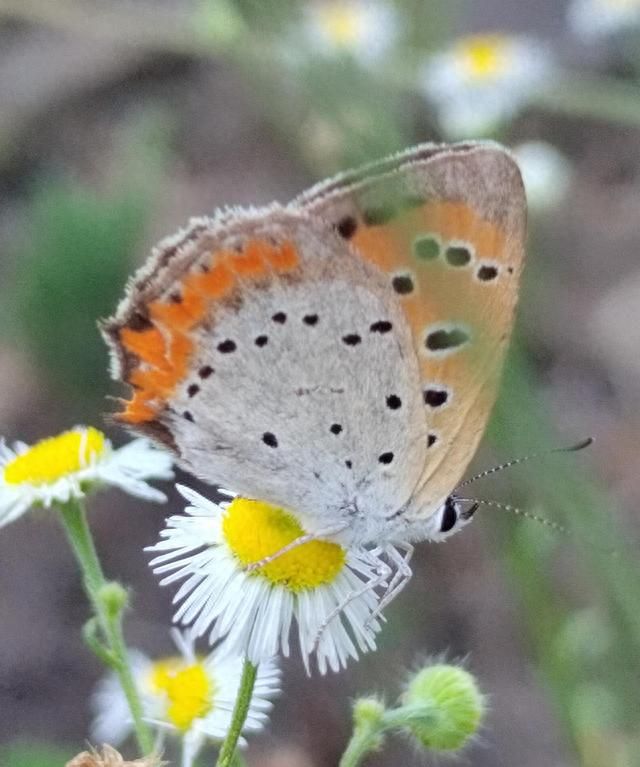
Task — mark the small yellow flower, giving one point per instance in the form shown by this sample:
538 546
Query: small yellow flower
67 466
364 29
483 57
187 694
253 610
481 81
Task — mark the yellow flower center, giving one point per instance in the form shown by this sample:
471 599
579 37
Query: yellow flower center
56 457
188 689
483 56
341 23
255 530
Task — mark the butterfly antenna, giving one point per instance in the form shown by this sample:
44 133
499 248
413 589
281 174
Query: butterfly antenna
515 461
518 512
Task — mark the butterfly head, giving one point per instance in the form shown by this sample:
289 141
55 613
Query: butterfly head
451 517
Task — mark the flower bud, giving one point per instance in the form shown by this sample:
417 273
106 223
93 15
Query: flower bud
114 597
367 712
451 703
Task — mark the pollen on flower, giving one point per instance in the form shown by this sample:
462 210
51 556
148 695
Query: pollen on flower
55 457
255 530
483 56
188 688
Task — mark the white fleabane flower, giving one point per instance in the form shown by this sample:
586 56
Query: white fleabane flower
482 81
186 695
599 18
211 547
366 30
546 173
70 465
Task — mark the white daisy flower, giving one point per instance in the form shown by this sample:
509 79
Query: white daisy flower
546 173
599 18
57 469
482 81
323 586
362 28
186 695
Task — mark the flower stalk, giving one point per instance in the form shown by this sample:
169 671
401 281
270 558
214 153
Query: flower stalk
227 756
368 718
103 633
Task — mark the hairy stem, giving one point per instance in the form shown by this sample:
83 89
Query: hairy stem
227 755
108 614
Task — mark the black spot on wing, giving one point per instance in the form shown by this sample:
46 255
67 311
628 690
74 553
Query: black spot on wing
403 284
347 227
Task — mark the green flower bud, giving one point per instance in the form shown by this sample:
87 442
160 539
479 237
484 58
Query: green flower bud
114 597
368 713
451 703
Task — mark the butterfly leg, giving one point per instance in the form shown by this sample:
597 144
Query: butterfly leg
307 538
401 576
382 573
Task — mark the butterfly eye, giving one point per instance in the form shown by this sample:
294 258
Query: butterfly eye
449 516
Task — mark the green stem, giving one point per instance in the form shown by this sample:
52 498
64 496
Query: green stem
227 753
74 518
368 735
363 740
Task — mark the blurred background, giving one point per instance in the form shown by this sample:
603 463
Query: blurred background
119 119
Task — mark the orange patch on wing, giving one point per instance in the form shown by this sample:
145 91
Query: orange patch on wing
148 344
457 221
165 350
171 315
215 283
251 262
383 245
152 382
390 245
137 410
285 258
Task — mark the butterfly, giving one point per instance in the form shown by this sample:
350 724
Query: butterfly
337 356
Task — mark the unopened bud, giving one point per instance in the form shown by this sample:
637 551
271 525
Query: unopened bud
114 597
452 703
367 712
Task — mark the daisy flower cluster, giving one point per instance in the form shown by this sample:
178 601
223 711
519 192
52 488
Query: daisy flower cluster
474 85
250 576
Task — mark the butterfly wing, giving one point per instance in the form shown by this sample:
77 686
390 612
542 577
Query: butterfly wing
277 362
446 224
